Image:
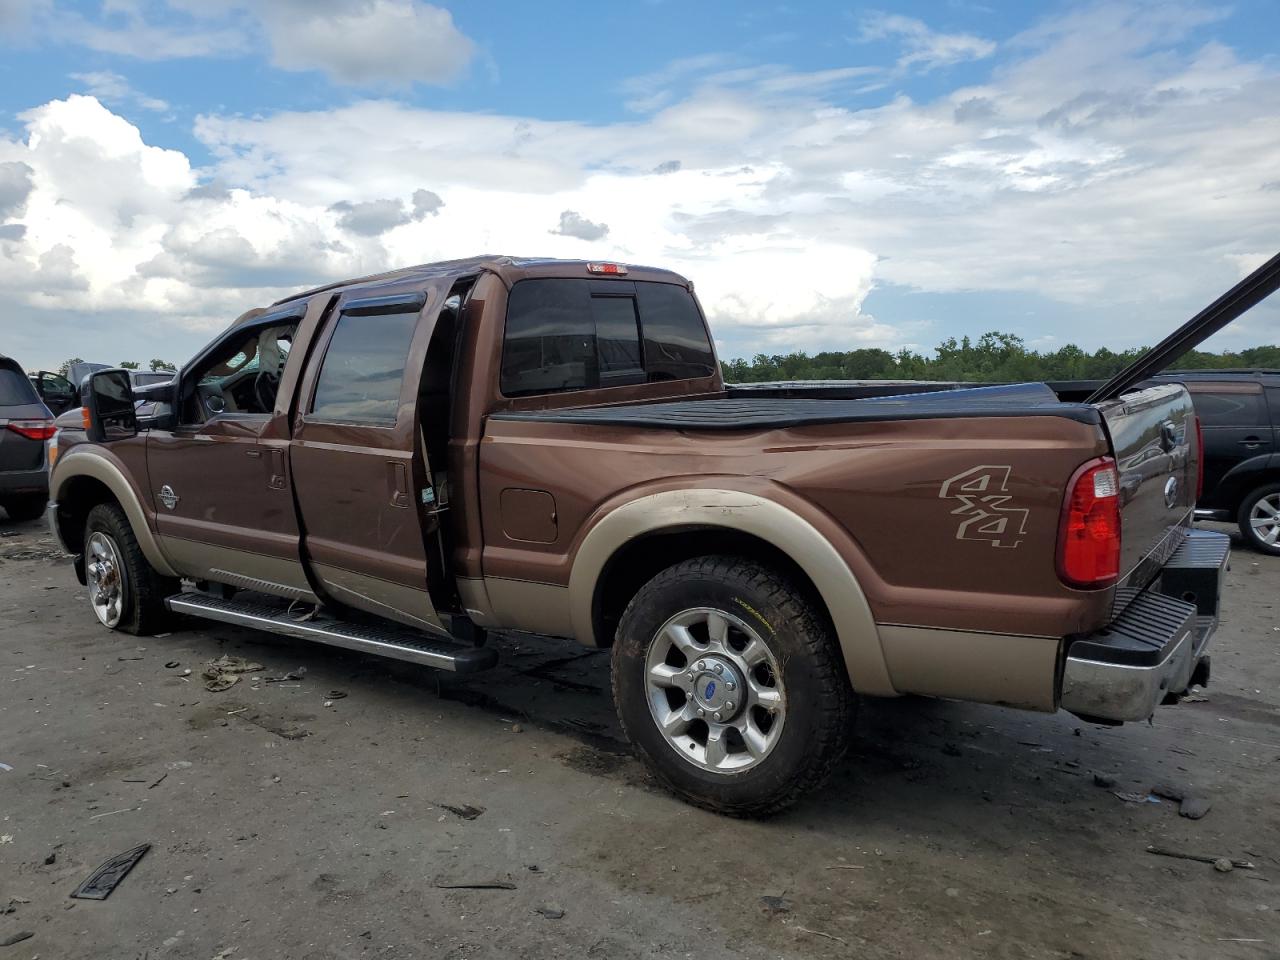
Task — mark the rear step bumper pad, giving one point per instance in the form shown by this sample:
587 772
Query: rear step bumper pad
387 641
1126 669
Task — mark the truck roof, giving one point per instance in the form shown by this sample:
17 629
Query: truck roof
510 269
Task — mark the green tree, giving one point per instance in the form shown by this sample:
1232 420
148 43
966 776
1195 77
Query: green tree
66 365
161 365
129 364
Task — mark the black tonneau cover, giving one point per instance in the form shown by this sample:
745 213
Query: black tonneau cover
1016 400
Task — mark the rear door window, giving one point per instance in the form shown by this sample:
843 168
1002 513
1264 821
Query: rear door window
15 389
363 368
565 334
1230 409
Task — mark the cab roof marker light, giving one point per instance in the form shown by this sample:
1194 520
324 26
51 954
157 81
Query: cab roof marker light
612 269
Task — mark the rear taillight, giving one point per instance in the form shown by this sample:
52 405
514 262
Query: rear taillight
1089 535
33 429
1199 460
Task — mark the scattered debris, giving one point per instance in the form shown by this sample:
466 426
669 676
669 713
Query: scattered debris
1140 797
158 782
1168 791
112 813
224 954
1193 808
5 767
819 933
336 695
845 866
466 811
775 905
1104 781
1199 858
224 672
51 859
172 664
107 877
293 676
6 838
551 912
1223 865
442 883
1195 694
16 938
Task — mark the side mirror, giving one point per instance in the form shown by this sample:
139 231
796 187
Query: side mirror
108 406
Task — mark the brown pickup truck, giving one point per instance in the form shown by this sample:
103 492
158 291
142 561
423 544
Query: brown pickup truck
400 463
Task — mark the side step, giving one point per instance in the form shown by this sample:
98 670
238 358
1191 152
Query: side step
399 643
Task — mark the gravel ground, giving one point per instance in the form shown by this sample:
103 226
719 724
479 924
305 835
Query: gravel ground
320 818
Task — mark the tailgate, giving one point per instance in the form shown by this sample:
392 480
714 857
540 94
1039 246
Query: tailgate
1152 435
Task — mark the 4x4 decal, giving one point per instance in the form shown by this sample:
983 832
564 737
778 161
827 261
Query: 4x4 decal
984 512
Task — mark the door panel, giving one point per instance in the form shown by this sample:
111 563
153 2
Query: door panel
226 514
1236 427
355 458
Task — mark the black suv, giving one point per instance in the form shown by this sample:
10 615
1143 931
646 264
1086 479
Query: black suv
25 427
1239 413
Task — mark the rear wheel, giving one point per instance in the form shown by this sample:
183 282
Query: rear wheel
22 509
125 591
728 679
1259 519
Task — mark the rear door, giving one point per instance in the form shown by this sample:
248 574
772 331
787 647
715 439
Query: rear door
360 475
1236 428
23 427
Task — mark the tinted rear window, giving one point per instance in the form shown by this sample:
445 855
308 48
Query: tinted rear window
566 334
15 388
1230 409
363 367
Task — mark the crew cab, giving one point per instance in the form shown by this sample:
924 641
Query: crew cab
404 462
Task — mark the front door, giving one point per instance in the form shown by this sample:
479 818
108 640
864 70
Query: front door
359 471
219 481
56 392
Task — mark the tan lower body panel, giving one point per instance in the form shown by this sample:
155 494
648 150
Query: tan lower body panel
523 605
404 604
238 568
1015 671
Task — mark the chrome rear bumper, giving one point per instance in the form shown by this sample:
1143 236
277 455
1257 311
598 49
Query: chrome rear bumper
1151 650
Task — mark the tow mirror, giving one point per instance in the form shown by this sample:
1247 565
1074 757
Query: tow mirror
108 406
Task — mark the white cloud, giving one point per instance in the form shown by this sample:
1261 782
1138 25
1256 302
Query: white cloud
111 87
1133 191
368 42
922 47
574 224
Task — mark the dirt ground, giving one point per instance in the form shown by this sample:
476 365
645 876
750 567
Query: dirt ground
311 818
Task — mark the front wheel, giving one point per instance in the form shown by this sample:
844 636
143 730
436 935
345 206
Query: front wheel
1259 519
125 591
728 679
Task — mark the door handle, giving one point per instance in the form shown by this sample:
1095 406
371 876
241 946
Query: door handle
398 484
1251 442
277 479
255 454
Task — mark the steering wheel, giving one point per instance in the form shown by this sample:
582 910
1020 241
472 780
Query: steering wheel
265 387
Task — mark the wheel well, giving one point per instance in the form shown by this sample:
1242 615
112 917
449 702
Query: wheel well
640 560
76 499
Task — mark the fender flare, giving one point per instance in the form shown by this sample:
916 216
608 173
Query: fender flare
74 464
772 522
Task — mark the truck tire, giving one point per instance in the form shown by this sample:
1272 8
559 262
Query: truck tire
24 508
729 681
1259 519
125 591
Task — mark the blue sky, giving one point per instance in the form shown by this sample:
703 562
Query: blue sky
831 175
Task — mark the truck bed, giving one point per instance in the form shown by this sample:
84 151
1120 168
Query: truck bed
757 410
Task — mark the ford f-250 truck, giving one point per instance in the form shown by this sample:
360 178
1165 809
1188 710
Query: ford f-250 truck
400 463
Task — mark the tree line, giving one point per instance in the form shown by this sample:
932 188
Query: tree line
993 357
155 366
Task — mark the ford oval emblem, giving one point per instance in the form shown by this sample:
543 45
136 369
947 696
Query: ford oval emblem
1171 492
710 691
